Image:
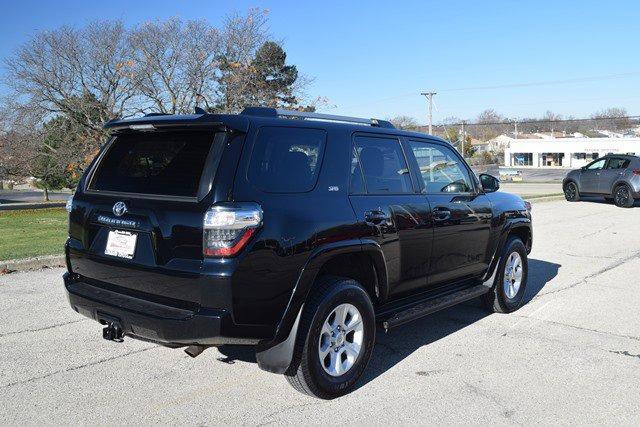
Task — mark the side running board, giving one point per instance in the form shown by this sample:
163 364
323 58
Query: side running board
431 305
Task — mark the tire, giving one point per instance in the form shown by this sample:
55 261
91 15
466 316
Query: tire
571 192
622 196
320 377
504 298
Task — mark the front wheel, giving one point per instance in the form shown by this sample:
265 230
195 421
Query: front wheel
509 287
571 192
622 196
335 339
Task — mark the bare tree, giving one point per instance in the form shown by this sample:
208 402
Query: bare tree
242 36
175 64
88 76
614 117
404 122
54 71
490 124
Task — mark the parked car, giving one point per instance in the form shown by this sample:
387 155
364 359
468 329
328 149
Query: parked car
294 232
510 175
616 177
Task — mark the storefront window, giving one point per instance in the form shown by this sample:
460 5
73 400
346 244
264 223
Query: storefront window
522 159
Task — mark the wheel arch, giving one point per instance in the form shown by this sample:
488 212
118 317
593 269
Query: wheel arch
521 228
275 355
571 181
617 184
523 232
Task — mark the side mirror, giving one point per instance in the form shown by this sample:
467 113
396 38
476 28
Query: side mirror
489 183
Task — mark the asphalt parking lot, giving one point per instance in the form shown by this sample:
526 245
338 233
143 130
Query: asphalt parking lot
571 355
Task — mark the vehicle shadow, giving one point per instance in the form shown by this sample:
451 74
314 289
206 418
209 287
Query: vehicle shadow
398 343
540 273
602 201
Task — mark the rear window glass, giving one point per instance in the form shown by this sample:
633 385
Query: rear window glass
383 167
163 163
286 160
616 163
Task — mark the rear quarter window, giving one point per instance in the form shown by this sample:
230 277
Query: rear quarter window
286 160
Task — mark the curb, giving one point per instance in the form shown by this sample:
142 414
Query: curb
545 199
35 263
25 206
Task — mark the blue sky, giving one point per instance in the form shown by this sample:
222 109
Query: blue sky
373 58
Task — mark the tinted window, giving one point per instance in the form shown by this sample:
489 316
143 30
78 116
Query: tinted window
286 160
163 163
441 170
615 163
597 165
383 166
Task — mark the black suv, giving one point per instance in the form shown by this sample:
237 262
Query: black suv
294 232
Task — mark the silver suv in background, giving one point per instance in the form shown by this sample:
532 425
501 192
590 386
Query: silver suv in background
615 176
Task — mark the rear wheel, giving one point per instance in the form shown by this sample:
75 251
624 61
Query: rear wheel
622 196
571 192
335 339
507 293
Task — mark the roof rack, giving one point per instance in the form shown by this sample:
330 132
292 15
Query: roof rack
277 112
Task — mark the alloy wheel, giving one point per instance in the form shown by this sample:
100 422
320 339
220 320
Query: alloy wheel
570 191
341 340
512 278
622 195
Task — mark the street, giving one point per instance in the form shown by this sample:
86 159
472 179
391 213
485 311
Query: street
571 355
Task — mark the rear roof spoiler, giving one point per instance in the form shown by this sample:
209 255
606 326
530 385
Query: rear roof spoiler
159 121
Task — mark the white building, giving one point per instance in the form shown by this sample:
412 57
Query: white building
565 152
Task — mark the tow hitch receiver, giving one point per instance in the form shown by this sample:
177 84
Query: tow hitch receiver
113 332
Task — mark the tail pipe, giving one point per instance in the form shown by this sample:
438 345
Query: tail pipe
113 332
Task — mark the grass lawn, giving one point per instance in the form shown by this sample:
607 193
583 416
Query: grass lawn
31 233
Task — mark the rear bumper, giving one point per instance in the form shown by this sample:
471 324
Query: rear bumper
151 321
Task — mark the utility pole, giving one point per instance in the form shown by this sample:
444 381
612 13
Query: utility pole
462 138
429 96
515 124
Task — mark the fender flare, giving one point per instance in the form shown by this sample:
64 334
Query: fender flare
275 355
509 225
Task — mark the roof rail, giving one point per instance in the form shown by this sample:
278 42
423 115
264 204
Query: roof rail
277 112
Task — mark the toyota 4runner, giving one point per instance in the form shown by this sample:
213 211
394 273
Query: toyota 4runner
297 233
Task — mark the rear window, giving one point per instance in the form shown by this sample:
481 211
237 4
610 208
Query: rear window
163 163
286 160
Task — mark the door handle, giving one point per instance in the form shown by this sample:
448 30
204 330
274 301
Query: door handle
441 214
376 217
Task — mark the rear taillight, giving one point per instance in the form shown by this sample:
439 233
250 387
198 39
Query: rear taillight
636 171
228 227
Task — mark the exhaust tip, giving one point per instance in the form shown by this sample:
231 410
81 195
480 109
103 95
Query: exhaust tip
113 332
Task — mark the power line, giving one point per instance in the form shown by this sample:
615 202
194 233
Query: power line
509 86
546 83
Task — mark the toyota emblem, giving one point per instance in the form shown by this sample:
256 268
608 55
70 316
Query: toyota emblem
119 209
